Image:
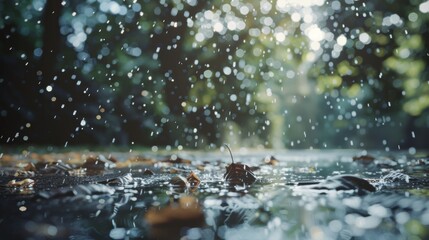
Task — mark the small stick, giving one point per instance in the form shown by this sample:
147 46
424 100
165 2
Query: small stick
230 152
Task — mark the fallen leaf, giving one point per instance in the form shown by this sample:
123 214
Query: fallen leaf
193 179
237 173
270 160
148 172
176 160
30 167
99 162
364 158
179 181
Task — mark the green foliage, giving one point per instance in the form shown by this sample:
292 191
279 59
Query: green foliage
187 73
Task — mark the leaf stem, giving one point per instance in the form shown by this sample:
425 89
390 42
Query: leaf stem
230 152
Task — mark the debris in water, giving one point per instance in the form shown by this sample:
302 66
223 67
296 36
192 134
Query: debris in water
98 163
193 179
26 183
148 172
179 181
365 159
270 160
237 173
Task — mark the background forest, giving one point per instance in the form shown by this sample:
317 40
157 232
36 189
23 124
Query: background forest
195 74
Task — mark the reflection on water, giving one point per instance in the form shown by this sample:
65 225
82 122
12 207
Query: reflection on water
279 205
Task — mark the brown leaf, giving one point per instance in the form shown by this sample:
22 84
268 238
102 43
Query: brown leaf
30 167
364 158
193 179
176 159
142 160
239 174
20 173
99 162
148 172
179 181
270 160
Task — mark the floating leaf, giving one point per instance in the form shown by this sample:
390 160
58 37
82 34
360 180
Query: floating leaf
148 172
99 162
270 160
364 159
179 181
193 179
237 173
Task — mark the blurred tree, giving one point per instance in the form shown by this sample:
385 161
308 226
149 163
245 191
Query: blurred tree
196 73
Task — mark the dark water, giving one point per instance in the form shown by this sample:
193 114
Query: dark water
274 207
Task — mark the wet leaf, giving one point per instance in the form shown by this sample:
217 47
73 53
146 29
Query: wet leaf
366 159
238 174
148 172
99 162
176 160
193 179
270 160
55 168
30 167
179 181
141 160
